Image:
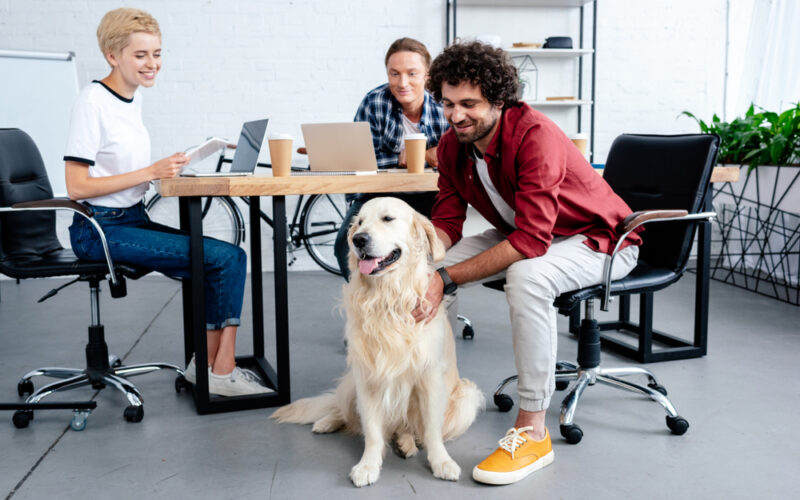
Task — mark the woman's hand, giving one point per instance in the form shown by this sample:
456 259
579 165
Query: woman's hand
169 167
401 159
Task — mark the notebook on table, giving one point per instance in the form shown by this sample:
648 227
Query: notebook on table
339 149
245 158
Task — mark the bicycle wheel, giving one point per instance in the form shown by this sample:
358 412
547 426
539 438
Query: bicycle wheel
222 219
321 218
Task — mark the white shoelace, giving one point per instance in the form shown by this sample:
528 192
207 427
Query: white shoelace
248 375
513 440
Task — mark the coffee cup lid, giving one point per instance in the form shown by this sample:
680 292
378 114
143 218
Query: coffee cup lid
410 137
280 137
579 135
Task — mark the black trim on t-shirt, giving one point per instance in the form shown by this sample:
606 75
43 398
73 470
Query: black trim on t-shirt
123 99
79 160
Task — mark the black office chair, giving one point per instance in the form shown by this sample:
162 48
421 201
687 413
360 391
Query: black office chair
663 179
29 248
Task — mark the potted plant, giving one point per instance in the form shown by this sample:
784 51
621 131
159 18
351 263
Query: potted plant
757 245
764 138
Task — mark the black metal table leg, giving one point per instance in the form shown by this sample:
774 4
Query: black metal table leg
281 297
195 340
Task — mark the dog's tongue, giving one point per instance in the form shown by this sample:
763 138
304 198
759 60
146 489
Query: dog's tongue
366 266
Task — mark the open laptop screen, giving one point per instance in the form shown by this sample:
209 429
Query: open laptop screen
249 146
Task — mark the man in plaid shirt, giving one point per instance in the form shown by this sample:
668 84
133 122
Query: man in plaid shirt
385 117
401 106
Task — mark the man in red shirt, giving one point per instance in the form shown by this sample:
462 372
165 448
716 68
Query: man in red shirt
554 224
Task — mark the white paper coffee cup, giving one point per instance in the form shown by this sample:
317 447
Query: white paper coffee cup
280 153
581 141
415 152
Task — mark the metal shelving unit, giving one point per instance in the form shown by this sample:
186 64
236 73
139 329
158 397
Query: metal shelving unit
580 52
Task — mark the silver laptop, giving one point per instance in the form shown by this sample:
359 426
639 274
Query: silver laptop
247 150
339 149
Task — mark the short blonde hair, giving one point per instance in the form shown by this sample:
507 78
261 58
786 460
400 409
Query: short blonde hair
116 27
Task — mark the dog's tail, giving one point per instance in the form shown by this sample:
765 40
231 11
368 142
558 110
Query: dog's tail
466 401
307 410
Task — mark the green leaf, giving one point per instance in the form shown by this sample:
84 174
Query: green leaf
759 137
777 150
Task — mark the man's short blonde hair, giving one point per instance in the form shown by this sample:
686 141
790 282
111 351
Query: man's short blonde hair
116 27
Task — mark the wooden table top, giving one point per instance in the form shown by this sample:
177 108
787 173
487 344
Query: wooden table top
266 185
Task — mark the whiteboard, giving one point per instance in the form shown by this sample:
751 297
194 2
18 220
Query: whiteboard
37 92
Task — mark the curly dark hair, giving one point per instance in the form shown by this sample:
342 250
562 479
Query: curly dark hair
479 64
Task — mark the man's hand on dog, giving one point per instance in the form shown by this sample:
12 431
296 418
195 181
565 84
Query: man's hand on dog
433 297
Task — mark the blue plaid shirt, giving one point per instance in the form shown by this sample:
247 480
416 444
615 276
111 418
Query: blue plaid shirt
385 117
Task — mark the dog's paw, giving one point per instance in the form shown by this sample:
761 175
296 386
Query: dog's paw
406 446
363 474
446 469
327 424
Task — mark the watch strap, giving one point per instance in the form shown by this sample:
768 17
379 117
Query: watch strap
449 285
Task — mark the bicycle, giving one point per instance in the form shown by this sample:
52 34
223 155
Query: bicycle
314 224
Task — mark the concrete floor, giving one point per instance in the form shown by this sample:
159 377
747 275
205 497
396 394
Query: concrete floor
740 400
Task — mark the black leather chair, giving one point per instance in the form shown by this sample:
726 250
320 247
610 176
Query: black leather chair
665 180
29 248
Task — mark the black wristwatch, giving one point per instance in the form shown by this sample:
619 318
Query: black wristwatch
449 285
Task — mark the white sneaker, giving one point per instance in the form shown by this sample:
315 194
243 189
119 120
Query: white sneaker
190 373
239 382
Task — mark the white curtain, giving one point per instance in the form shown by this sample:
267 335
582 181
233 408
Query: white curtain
771 70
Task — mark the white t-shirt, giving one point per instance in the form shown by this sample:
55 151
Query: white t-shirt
409 127
107 133
503 208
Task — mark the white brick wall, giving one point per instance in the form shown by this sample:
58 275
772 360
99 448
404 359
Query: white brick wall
656 59
299 61
229 61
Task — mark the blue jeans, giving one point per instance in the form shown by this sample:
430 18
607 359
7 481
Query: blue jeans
134 239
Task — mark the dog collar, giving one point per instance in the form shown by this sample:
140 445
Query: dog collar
449 285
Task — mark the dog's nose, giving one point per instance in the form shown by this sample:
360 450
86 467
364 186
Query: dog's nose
360 240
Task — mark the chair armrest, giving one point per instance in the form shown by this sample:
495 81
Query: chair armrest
633 221
53 204
636 219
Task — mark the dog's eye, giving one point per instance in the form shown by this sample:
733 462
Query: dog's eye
388 218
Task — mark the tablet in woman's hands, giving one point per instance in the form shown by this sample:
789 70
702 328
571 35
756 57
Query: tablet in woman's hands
211 146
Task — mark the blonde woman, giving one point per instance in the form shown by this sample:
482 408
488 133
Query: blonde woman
108 168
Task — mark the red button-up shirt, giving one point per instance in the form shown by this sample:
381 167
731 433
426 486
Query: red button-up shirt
540 173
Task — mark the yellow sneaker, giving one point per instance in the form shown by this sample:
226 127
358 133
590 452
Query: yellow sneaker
517 456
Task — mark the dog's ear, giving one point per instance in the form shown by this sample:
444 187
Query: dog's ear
425 229
352 260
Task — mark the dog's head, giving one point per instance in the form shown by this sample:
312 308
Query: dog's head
388 234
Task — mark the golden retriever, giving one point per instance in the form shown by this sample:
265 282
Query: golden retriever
402 381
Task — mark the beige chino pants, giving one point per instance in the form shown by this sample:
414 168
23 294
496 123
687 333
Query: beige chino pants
531 287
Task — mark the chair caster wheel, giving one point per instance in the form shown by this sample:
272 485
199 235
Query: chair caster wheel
562 384
467 333
22 418
181 384
659 388
678 425
78 422
24 388
134 413
503 402
572 433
